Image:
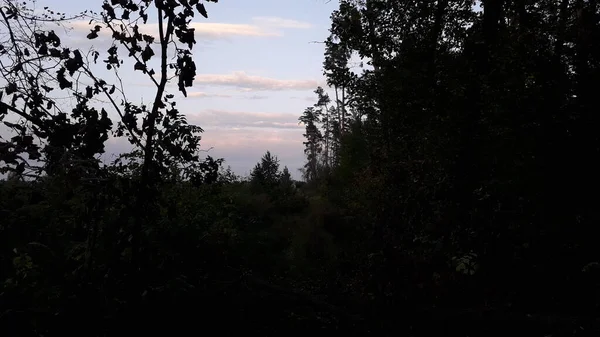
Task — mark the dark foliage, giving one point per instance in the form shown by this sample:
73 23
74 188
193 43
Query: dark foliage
450 183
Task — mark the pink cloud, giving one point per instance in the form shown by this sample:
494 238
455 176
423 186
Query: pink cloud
245 82
241 138
224 119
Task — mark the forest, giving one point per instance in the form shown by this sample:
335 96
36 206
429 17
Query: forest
449 188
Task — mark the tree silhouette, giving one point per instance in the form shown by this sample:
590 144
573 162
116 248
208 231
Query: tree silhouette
266 172
451 180
35 66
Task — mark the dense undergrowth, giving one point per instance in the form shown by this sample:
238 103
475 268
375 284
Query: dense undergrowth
285 260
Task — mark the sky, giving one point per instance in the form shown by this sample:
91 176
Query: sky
257 67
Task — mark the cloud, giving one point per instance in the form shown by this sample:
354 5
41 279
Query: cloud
241 138
256 97
203 30
260 27
200 94
214 31
241 148
245 82
222 119
270 21
305 98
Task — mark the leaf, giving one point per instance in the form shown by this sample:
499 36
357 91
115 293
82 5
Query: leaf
52 37
110 12
54 52
11 88
147 53
62 81
132 6
139 66
202 10
73 64
15 126
43 50
148 38
34 154
92 35
20 168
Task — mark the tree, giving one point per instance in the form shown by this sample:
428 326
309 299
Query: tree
160 131
168 138
285 178
37 63
460 110
266 173
324 125
327 120
37 69
337 71
313 146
